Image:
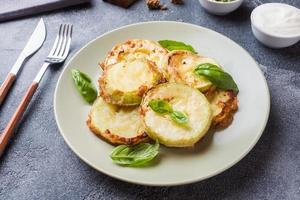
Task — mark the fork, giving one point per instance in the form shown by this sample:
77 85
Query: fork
57 55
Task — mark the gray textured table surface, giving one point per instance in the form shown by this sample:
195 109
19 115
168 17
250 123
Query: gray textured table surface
39 165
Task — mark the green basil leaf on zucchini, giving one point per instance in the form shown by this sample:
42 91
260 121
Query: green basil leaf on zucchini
175 45
217 76
208 66
179 117
135 156
84 86
163 107
160 106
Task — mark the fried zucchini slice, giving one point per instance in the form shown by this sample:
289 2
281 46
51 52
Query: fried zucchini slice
136 49
184 99
117 125
124 83
224 104
180 67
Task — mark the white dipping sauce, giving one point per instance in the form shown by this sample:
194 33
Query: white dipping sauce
278 19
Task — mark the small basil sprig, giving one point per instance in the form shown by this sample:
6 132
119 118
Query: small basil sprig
160 106
163 107
175 45
179 117
209 66
217 76
136 156
84 85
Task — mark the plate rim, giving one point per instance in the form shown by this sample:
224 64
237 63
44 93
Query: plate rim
170 183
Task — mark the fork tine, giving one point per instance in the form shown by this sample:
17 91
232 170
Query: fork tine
61 45
61 39
68 44
56 41
65 41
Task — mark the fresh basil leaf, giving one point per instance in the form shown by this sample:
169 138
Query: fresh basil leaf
187 48
136 156
179 117
208 66
175 45
84 85
160 106
219 78
163 107
165 43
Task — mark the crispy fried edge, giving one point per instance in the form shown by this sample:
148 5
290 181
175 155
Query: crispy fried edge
229 108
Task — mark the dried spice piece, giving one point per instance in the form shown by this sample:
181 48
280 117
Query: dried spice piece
177 1
155 5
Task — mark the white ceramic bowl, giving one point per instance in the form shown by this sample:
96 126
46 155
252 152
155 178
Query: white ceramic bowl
267 38
220 8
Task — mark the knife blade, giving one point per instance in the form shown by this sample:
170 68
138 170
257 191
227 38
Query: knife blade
35 41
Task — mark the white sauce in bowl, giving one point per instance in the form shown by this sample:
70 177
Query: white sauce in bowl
277 19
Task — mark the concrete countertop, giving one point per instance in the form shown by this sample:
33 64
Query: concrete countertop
39 165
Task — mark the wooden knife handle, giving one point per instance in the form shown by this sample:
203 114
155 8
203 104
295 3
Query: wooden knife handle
8 131
6 85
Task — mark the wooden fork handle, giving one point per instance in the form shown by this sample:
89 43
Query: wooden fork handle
8 131
6 86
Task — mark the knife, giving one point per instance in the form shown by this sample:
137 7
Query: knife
35 41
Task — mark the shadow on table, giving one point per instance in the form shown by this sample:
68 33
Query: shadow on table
242 14
289 53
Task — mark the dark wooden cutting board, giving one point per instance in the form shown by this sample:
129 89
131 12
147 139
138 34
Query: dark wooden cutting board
122 3
11 9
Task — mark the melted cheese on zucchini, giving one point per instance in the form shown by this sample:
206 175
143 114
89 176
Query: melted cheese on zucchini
118 125
181 65
184 99
125 83
129 76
